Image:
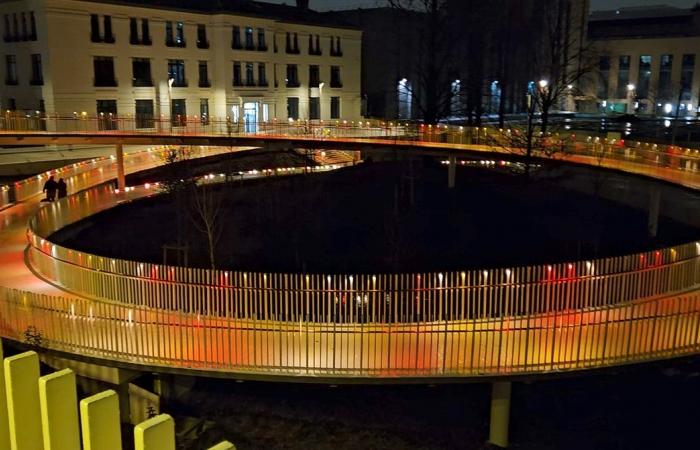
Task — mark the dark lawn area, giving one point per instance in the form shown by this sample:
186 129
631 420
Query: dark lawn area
401 216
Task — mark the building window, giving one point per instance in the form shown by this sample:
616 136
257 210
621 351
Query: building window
203 75
623 76
107 115
6 34
314 76
180 34
262 75
237 77
687 72
104 71
178 112
262 45
37 72
604 73
644 76
249 45
32 27
95 28
12 104
11 70
176 37
204 111
665 88
236 39
176 72
109 36
314 108
335 77
292 76
202 41
404 94
292 44
335 107
25 33
141 72
336 50
314 44
144 114
293 108
249 75
15 28
134 39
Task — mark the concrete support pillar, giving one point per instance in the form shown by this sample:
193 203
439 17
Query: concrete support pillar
22 388
451 171
124 402
4 423
654 206
121 179
500 413
59 411
157 433
99 419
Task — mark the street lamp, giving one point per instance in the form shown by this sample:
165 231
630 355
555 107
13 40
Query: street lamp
543 83
630 98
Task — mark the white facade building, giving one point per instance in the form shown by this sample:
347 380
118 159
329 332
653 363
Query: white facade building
252 65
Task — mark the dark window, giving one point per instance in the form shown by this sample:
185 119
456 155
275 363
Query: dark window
145 33
203 74
180 34
604 73
178 112
236 37
237 77
292 43
274 42
262 45
11 70
249 74
95 28
15 28
293 108
644 76
262 75
665 88
314 76
335 77
109 36
335 107
25 33
12 104
178 38
141 68
202 41
176 72
249 38
314 44
292 76
37 72
6 34
314 108
169 41
623 76
104 71
133 31
32 27
336 50
204 111
687 72
144 114
107 114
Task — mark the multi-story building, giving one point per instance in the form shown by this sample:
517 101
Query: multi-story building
647 60
249 61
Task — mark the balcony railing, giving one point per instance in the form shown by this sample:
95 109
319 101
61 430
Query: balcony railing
203 44
204 83
140 82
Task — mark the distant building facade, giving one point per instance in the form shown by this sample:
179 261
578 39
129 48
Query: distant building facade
648 58
246 60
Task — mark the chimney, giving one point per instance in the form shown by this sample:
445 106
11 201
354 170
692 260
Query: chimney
303 4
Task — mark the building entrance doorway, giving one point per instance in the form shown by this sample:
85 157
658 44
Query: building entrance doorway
250 116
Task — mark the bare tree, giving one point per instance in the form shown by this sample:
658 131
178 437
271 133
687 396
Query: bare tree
207 209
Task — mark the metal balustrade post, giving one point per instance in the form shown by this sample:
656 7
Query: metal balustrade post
500 413
121 178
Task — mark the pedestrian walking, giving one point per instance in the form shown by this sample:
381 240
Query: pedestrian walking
62 188
50 188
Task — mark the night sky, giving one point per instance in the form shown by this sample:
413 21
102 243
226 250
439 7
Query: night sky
595 4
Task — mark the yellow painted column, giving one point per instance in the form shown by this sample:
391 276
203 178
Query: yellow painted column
226 445
59 410
500 413
22 388
4 423
99 419
121 180
157 433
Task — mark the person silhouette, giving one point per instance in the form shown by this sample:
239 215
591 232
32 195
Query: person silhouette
62 188
50 188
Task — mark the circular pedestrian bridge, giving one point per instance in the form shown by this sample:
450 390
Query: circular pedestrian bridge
356 327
